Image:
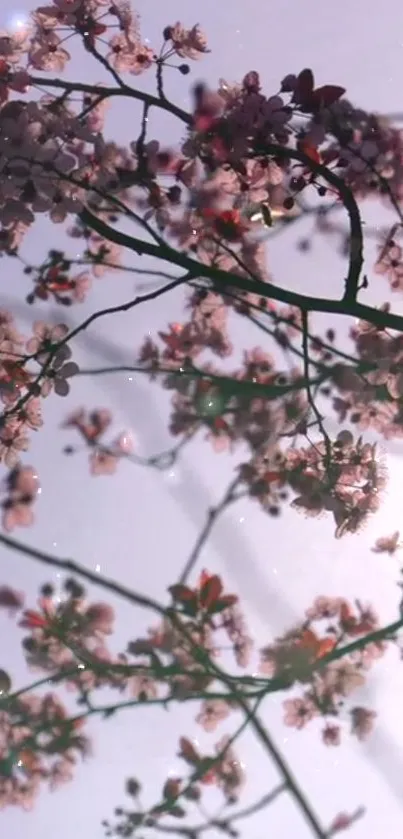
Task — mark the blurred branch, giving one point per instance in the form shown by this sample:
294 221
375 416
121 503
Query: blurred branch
228 498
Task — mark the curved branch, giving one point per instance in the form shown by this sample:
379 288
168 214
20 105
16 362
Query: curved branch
110 92
72 567
223 279
349 202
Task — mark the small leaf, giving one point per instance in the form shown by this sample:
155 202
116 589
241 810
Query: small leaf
171 788
210 591
224 603
305 85
327 95
309 151
181 594
187 751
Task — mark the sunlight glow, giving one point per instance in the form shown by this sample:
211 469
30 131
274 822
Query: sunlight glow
18 21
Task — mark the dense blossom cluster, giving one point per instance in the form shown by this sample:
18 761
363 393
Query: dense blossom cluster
209 197
39 743
330 622
67 639
246 161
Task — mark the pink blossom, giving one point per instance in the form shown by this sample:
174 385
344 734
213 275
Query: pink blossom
45 336
100 618
298 712
362 722
213 711
331 735
187 43
387 544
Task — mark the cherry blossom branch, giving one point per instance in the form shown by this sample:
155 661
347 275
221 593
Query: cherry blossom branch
130 269
163 460
223 279
289 779
383 634
260 804
266 740
346 195
110 310
110 92
105 63
231 385
124 307
218 821
72 567
110 710
200 770
274 684
309 393
283 320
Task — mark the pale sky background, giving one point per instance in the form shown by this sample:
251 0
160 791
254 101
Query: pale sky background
140 525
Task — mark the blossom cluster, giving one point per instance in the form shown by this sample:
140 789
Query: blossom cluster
370 391
66 638
330 623
91 426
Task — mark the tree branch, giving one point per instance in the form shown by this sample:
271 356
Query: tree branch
110 92
212 517
347 198
223 279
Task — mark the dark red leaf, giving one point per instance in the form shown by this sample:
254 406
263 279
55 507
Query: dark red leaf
325 96
330 155
188 751
224 603
288 84
304 87
210 591
33 620
309 150
181 594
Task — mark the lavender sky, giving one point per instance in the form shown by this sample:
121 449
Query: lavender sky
140 526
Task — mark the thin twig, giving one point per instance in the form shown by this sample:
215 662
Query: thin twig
232 386
212 516
111 92
311 400
278 760
111 310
